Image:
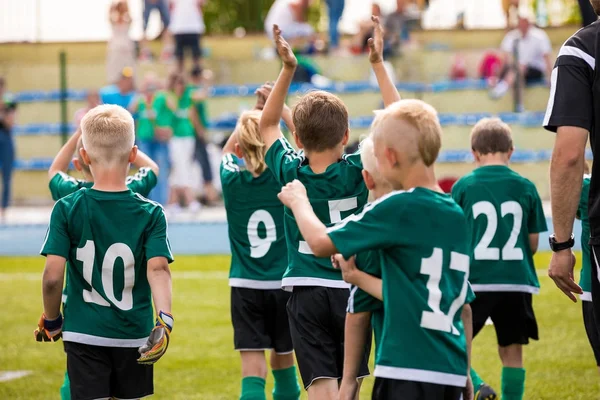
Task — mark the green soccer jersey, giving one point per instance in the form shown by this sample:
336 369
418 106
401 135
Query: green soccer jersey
502 209
62 184
182 124
144 124
255 224
334 194
423 242
585 279
107 239
164 115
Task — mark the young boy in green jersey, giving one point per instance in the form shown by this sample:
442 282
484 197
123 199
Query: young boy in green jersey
317 306
422 238
505 216
116 245
589 319
259 259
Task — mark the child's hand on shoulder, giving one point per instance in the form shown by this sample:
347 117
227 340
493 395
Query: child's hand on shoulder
376 42
293 194
283 49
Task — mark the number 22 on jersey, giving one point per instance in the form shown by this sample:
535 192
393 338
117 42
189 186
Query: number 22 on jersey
483 251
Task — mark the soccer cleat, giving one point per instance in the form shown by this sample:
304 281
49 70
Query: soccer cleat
49 330
158 341
485 392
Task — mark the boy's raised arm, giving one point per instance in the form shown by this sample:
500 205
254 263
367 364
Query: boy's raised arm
271 115
386 86
65 155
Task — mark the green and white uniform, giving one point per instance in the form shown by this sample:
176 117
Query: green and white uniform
585 279
334 194
502 209
255 220
63 184
107 239
183 143
423 242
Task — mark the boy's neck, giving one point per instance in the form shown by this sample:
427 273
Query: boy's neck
320 161
422 176
110 179
493 159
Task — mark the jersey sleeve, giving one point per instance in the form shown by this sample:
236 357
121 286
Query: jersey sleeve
283 161
142 182
157 242
371 229
537 219
57 240
230 169
470 294
457 193
359 300
571 101
62 185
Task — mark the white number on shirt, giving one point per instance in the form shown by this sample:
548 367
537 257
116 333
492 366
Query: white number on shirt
433 266
259 247
483 251
336 207
86 255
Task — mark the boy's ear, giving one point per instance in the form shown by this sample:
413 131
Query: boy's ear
476 156
346 137
391 157
369 182
510 152
133 154
238 151
77 164
297 140
85 156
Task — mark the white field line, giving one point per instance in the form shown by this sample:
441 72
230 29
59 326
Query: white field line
6 376
185 275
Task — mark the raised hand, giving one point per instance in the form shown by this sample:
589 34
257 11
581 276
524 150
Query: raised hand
283 49
262 95
292 194
376 42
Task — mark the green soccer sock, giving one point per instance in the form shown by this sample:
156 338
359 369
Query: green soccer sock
286 384
513 383
476 379
65 389
253 388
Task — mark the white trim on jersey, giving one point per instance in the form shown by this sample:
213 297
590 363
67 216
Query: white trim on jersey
504 287
420 375
575 52
229 164
585 296
138 176
254 284
288 284
164 216
102 341
550 107
351 299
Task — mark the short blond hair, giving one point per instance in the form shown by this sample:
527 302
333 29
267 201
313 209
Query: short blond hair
108 135
491 135
367 157
250 141
410 123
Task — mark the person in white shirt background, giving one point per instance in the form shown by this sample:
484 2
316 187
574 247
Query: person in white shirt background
291 16
534 51
187 27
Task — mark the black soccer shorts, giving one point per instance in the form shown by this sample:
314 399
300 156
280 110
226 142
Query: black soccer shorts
512 314
393 389
98 372
591 328
317 320
260 320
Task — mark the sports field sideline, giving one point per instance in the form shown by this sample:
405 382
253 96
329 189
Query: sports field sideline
201 362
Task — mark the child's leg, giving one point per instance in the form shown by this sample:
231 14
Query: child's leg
513 373
89 369
286 382
254 374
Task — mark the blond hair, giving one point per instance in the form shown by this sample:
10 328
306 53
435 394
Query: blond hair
250 141
410 123
491 135
367 157
108 134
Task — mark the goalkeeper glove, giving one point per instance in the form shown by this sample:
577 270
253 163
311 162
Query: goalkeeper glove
158 341
49 330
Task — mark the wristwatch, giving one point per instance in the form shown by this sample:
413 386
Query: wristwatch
558 246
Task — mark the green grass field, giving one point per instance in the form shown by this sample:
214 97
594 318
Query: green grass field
201 362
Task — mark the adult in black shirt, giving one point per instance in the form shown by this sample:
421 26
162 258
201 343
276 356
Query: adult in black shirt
7 148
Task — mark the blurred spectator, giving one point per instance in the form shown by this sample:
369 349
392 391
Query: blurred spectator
182 146
197 85
292 18
154 117
534 52
365 31
163 8
458 69
335 9
491 65
92 100
187 26
394 26
8 109
121 49
122 92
